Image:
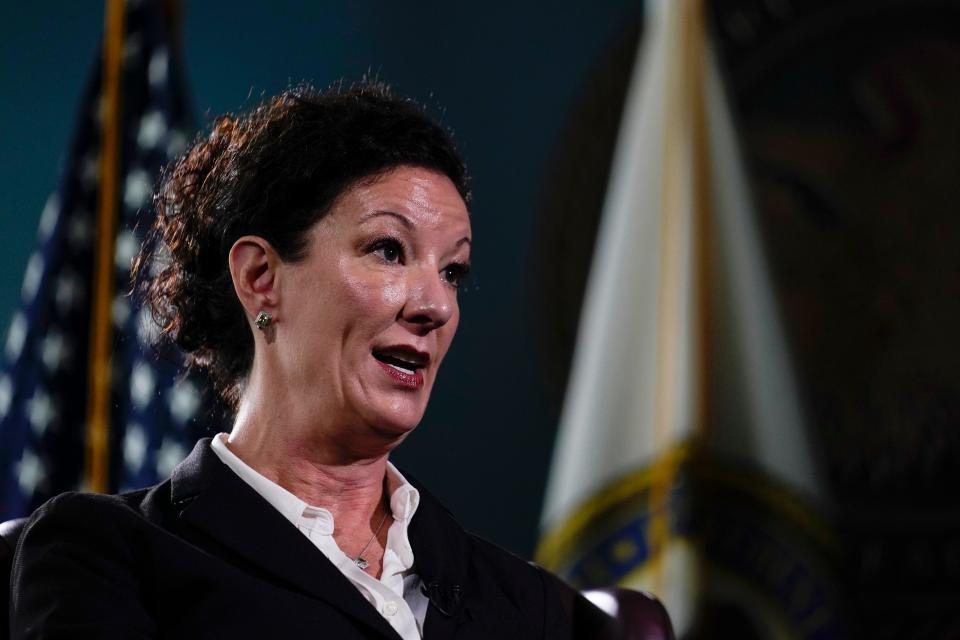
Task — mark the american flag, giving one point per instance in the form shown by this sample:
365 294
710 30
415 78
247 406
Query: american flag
155 412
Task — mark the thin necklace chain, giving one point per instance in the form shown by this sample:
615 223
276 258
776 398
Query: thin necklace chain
360 561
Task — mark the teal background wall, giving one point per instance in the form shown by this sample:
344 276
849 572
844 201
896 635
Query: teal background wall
502 75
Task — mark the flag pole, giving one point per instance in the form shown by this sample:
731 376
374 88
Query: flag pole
96 471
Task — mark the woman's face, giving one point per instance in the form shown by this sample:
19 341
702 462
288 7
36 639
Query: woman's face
366 318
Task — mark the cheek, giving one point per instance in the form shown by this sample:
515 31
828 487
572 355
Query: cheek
393 294
372 298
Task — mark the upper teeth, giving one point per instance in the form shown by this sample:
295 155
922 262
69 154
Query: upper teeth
397 361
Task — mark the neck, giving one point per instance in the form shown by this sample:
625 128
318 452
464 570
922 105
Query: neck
297 455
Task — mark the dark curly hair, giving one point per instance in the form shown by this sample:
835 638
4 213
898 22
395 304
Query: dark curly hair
273 172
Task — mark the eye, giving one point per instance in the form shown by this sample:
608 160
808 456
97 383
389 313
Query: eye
455 273
390 250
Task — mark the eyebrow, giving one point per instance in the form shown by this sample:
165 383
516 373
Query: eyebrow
402 218
406 222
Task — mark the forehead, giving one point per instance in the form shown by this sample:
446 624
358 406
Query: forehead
427 198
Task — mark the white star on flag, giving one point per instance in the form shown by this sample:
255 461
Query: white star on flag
48 219
142 385
161 260
120 310
137 189
157 70
153 128
169 456
177 144
69 290
184 401
40 411
79 232
90 169
134 446
127 248
15 336
30 472
54 350
32 277
147 329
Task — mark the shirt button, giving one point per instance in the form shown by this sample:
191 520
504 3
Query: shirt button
390 609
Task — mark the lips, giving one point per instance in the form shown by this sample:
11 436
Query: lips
403 364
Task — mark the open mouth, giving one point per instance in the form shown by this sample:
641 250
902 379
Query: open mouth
403 363
404 366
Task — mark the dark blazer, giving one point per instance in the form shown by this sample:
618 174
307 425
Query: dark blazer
202 555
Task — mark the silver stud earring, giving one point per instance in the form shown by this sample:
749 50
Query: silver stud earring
263 320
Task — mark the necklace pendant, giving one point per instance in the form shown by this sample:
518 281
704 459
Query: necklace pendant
360 562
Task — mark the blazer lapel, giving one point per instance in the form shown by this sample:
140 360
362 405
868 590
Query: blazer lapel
210 497
441 555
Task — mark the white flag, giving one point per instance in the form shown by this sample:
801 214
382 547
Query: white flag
682 450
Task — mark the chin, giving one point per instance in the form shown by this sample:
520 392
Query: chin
396 422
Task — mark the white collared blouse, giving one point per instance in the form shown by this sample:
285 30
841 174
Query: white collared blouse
396 595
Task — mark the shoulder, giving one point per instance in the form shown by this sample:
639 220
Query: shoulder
82 548
500 587
85 525
74 503
78 512
520 586
506 565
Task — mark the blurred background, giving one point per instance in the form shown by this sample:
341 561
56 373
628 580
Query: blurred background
846 113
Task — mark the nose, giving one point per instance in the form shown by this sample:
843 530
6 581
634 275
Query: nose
430 304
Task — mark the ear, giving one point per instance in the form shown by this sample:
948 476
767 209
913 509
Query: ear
253 268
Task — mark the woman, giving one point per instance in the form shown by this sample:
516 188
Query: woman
307 256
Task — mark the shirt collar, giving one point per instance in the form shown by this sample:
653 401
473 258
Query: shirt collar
404 497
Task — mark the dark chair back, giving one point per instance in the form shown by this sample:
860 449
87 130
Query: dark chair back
614 613
638 614
9 534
